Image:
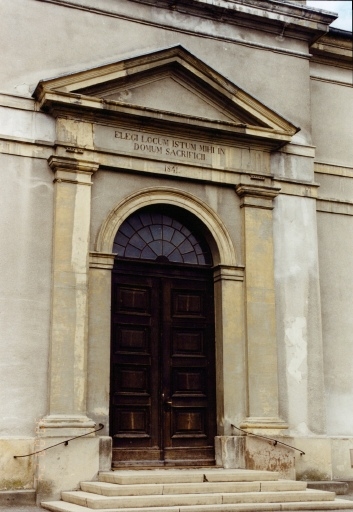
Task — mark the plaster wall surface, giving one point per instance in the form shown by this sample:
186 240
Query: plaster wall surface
316 464
298 315
276 78
16 473
26 233
110 188
335 252
332 112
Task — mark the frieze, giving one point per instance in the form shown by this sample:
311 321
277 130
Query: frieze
150 145
178 150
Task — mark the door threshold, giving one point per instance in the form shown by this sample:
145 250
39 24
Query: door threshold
141 468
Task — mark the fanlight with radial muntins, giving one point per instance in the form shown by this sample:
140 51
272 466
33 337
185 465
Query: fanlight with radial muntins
150 234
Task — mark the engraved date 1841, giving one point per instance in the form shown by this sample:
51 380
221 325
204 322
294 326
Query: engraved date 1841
172 169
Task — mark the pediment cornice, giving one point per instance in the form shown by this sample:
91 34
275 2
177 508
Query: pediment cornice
194 95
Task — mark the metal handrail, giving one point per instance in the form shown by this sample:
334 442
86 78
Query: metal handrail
66 442
269 439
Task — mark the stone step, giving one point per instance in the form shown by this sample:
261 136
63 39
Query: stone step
108 489
318 506
95 501
162 476
329 485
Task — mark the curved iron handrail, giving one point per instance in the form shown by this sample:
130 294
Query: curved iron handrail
66 442
269 439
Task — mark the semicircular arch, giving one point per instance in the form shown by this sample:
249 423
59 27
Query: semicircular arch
217 236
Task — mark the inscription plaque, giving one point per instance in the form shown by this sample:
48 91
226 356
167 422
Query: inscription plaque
176 152
156 146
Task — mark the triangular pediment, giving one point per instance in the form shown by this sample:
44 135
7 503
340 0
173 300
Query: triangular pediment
169 93
169 85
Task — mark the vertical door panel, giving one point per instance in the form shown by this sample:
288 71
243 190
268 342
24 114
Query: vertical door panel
188 369
134 394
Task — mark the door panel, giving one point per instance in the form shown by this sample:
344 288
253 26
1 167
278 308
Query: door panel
188 370
162 373
134 398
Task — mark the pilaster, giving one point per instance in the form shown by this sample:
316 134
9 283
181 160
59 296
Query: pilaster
68 349
260 318
99 321
230 347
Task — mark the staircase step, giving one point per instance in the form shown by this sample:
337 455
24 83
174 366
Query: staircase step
329 485
96 501
108 489
318 506
160 476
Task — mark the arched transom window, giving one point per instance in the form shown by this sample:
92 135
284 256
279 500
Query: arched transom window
162 234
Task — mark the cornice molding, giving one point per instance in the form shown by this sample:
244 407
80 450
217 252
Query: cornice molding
334 207
333 169
296 20
265 15
330 81
199 30
73 171
263 191
257 196
17 102
333 50
86 93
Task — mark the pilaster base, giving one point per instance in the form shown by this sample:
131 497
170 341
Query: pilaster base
63 425
265 426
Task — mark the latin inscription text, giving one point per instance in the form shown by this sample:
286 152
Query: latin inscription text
169 147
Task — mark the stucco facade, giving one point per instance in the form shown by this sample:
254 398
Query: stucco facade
237 112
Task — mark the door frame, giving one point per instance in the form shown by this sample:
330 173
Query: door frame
231 377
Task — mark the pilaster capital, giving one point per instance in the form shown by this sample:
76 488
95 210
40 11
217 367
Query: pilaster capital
71 170
101 260
257 196
228 273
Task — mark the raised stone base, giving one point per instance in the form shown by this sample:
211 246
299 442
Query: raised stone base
105 453
20 498
324 458
248 452
63 467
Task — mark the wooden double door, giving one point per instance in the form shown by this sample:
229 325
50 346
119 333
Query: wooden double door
162 365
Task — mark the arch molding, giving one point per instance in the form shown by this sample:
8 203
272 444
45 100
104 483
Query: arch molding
220 243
